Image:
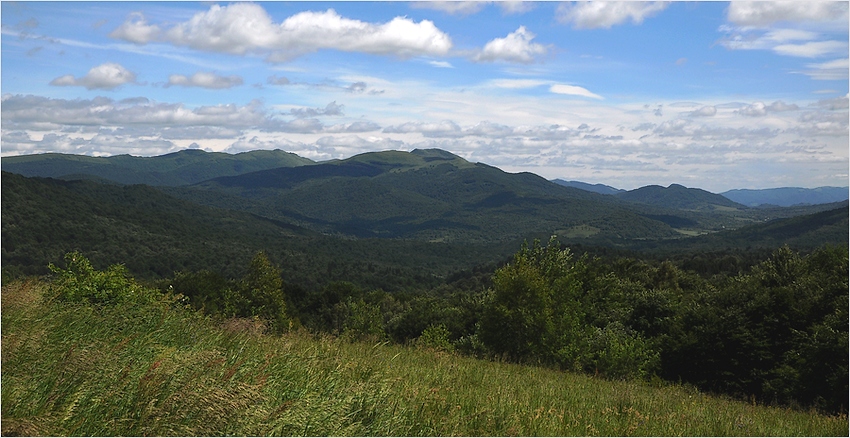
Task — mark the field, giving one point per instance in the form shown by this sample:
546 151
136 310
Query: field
161 369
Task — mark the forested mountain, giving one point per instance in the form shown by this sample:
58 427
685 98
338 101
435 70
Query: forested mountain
595 188
184 167
427 195
680 197
154 235
788 196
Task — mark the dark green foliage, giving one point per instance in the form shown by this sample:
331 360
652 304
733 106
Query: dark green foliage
547 307
778 334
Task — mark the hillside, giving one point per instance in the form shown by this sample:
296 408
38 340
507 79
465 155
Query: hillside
154 235
679 197
787 196
160 370
179 168
595 188
426 195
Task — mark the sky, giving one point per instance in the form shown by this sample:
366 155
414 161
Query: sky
714 95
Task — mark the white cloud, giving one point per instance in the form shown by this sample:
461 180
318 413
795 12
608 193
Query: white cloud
573 90
828 71
516 83
516 7
243 28
757 109
763 13
706 111
136 30
331 109
812 49
441 64
205 80
600 14
452 7
516 47
104 77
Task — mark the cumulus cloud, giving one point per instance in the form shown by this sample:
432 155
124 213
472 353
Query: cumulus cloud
205 80
331 109
243 28
136 30
106 76
706 111
602 14
516 47
31 112
573 90
761 13
758 109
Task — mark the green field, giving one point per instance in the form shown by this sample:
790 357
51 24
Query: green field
161 369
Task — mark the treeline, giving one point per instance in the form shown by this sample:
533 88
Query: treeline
776 333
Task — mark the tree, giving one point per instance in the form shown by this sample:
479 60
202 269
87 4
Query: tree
262 288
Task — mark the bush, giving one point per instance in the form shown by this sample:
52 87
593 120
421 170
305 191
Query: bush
80 282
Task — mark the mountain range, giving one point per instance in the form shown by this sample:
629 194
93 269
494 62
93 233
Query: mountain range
427 207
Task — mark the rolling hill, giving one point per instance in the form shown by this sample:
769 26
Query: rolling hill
679 197
424 194
787 196
595 188
179 168
154 235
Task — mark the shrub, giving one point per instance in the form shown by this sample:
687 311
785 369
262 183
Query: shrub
80 282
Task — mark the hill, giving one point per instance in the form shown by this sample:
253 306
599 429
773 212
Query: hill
179 168
163 370
154 235
426 195
787 196
679 197
595 188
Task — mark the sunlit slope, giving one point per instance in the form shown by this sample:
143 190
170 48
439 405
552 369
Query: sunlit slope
185 167
427 194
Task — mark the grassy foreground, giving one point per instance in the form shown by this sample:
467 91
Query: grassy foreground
72 369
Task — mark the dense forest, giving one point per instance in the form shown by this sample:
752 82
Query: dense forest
423 248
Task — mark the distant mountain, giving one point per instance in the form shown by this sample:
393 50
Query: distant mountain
595 188
179 168
679 197
788 196
427 195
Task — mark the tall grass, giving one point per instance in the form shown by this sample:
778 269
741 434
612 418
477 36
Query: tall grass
71 369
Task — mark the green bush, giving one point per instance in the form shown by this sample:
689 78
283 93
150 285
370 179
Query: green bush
436 337
80 282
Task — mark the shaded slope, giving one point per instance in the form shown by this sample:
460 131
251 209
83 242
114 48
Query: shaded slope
155 234
179 168
678 197
424 194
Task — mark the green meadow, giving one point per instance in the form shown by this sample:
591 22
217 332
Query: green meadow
156 367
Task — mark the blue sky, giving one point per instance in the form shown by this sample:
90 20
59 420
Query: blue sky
714 95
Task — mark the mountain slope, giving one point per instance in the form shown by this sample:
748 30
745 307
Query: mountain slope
679 197
424 194
154 235
179 168
595 188
788 196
